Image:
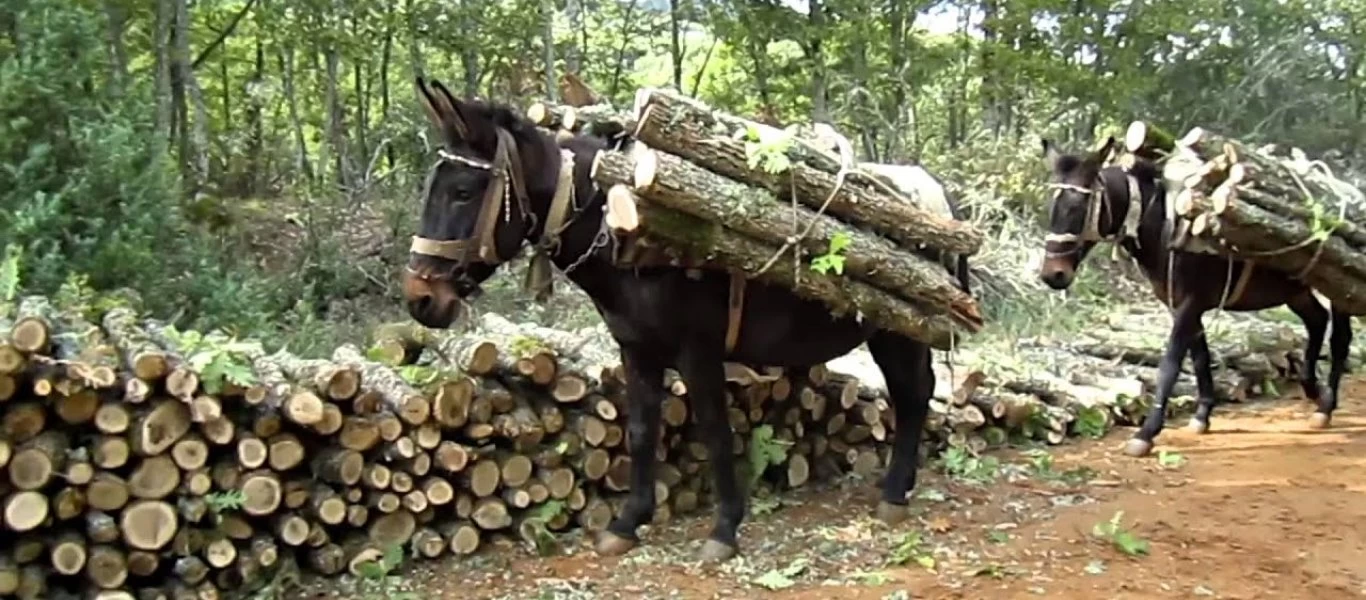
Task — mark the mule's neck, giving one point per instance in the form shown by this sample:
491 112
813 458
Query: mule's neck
583 255
1148 246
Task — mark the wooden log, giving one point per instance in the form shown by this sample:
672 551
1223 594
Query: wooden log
25 510
685 127
34 326
157 428
676 184
143 356
399 397
1272 241
154 478
106 566
38 460
845 297
148 524
1148 141
603 118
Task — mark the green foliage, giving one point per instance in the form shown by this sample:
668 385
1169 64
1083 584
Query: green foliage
9 278
1121 538
910 547
779 579
962 464
833 259
767 148
763 452
1091 422
376 582
216 357
1170 460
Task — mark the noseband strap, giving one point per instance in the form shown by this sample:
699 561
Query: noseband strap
1098 200
506 171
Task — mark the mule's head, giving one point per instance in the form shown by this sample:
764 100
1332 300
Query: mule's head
1077 218
477 209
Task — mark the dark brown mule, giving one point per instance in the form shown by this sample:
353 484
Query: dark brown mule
1092 203
498 185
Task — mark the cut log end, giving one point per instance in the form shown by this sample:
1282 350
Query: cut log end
622 215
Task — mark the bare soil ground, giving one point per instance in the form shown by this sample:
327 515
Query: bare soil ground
1261 507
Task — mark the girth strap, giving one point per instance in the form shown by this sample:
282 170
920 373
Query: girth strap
1240 287
735 305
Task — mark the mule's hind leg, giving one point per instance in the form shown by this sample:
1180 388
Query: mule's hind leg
1315 317
1204 383
906 366
705 374
1338 348
1185 328
645 396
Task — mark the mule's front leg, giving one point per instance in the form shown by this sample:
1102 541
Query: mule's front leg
1184 331
906 366
706 392
1204 384
644 396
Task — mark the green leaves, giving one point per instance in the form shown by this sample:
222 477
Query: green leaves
217 358
833 259
767 148
763 451
1122 539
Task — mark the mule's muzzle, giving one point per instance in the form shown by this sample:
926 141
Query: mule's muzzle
1057 273
433 303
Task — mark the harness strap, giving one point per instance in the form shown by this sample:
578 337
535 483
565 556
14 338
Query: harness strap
735 309
539 277
1240 287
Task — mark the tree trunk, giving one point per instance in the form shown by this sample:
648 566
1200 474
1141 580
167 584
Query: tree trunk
548 47
116 27
301 161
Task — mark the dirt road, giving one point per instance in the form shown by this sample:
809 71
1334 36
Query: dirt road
1260 507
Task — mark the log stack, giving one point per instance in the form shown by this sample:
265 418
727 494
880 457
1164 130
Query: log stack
1272 206
144 462
701 188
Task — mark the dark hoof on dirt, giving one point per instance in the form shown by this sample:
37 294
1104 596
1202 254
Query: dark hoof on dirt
892 514
1197 426
611 544
717 552
1320 420
1138 448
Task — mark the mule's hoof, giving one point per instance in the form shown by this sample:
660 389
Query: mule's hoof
611 544
1197 426
716 552
892 514
1138 448
1320 420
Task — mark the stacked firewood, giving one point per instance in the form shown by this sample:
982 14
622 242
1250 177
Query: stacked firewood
702 188
1272 206
145 462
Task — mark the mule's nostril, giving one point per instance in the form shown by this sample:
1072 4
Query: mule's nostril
420 305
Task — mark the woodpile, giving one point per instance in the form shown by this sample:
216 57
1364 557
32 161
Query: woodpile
701 188
1272 206
144 462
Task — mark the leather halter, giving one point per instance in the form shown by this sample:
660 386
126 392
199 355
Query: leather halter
1098 200
507 182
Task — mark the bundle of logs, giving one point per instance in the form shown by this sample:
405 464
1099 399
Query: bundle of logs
144 462
1272 206
701 188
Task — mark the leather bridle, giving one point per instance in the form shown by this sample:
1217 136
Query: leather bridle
506 184
1097 201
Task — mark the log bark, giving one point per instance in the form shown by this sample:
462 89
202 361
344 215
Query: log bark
708 241
685 127
677 184
1248 232
602 119
400 397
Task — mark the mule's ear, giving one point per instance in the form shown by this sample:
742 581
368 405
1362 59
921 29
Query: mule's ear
1050 152
1103 153
428 102
446 101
